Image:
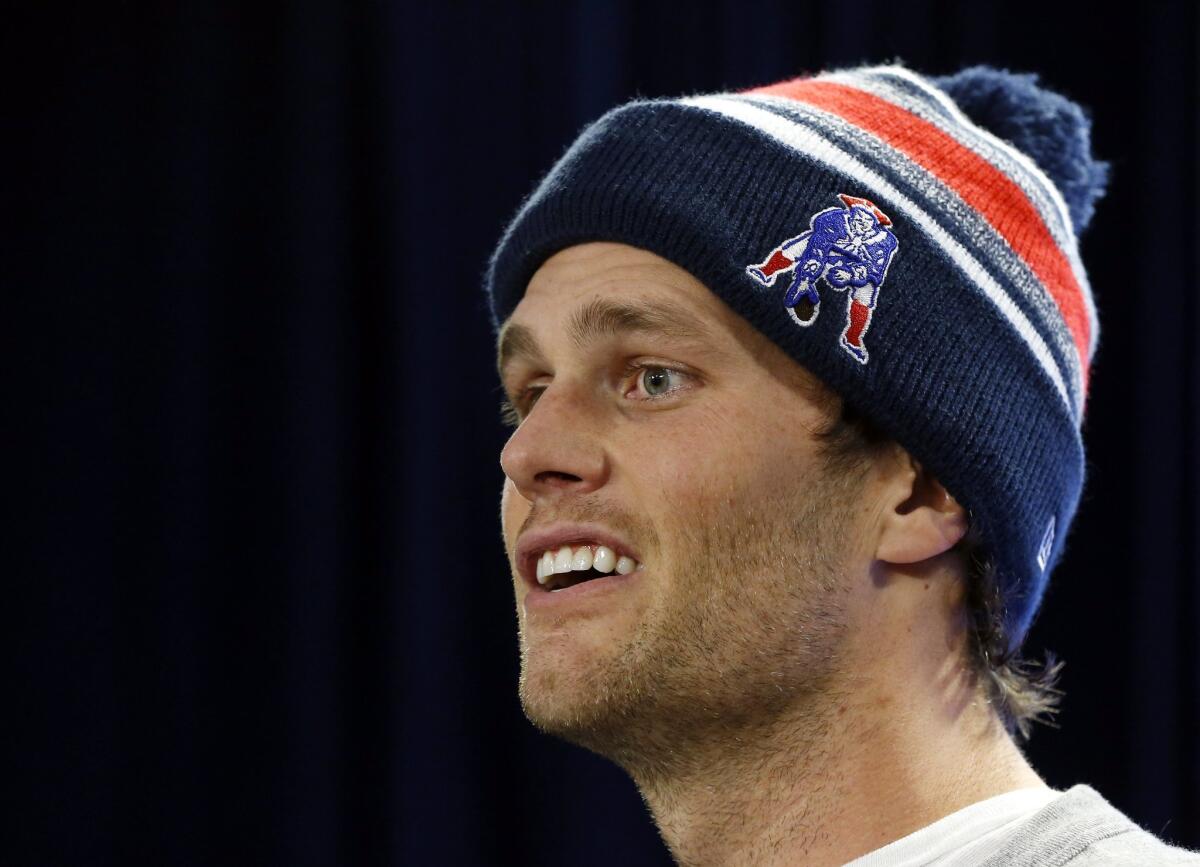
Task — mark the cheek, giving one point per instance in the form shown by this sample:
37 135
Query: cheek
704 457
727 465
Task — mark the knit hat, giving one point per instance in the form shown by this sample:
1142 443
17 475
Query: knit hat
911 240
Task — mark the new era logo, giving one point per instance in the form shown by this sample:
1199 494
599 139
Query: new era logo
1047 543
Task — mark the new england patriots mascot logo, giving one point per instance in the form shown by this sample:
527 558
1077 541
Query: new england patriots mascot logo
847 248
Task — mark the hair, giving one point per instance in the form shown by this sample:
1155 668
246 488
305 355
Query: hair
1021 691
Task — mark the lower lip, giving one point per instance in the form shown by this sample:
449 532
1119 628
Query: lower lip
541 599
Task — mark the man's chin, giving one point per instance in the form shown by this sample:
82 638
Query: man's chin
553 699
561 705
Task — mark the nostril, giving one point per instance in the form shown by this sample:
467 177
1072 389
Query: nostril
556 476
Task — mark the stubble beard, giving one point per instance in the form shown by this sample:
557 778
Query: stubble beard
740 647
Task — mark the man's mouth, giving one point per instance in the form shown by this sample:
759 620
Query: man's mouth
578 591
561 581
565 565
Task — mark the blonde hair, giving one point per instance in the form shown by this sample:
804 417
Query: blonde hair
1021 691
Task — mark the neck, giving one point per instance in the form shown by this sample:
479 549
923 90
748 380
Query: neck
839 775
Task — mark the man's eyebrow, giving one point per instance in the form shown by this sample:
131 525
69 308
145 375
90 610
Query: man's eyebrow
601 318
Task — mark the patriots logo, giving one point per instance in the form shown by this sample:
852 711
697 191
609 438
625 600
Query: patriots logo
847 248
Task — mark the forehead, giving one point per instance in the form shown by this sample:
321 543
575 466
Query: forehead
609 268
599 290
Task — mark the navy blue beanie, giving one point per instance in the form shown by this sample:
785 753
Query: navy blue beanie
936 217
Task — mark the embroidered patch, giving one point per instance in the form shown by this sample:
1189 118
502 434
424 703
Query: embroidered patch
1043 554
848 249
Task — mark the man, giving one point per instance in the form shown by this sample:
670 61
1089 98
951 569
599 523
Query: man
784 586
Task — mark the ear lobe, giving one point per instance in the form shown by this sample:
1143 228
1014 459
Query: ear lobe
920 518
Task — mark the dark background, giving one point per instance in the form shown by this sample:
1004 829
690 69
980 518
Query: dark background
262 610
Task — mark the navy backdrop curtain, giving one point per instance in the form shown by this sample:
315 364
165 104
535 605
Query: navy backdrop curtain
262 610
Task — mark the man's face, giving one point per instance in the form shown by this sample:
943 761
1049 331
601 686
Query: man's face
709 471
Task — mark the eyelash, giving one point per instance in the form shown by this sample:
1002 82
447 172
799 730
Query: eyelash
510 412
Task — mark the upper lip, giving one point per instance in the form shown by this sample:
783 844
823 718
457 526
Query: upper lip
533 542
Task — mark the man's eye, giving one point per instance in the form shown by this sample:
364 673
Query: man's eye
658 374
508 413
513 412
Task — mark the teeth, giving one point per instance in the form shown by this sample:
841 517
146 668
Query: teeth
545 567
605 559
602 559
582 560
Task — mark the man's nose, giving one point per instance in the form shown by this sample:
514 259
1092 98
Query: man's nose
558 447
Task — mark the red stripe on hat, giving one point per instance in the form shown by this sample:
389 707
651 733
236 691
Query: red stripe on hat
980 184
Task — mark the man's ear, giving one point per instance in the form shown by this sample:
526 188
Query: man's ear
919 518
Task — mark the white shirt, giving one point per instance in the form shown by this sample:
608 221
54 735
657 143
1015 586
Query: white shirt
963 837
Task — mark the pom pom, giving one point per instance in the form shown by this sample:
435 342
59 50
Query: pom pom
1049 128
